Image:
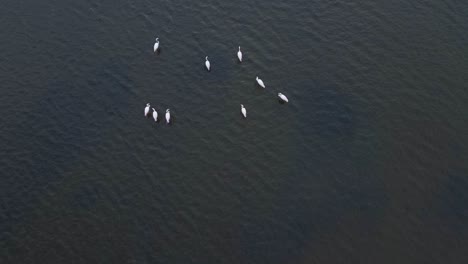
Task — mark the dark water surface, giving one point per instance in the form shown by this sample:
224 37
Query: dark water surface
368 163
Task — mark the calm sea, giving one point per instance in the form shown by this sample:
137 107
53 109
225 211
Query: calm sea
367 163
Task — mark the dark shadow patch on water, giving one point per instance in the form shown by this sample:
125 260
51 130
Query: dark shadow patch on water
333 113
67 123
451 203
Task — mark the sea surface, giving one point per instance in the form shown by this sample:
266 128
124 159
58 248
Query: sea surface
367 163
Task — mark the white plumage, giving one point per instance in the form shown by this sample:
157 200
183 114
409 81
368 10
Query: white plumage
244 111
168 116
155 115
239 55
147 108
156 45
207 63
260 82
283 97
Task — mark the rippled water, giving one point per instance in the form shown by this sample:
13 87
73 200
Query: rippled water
366 164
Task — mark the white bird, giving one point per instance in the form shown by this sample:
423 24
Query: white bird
155 115
147 109
260 82
283 97
168 116
156 45
239 55
207 63
244 111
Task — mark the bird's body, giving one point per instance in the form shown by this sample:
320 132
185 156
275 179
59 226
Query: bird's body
283 97
260 82
168 116
243 111
239 55
156 45
207 63
147 108
155 115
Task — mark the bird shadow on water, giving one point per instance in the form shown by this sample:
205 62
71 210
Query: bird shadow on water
162 120
257 86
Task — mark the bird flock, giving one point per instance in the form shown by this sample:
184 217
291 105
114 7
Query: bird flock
281 96
155 113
